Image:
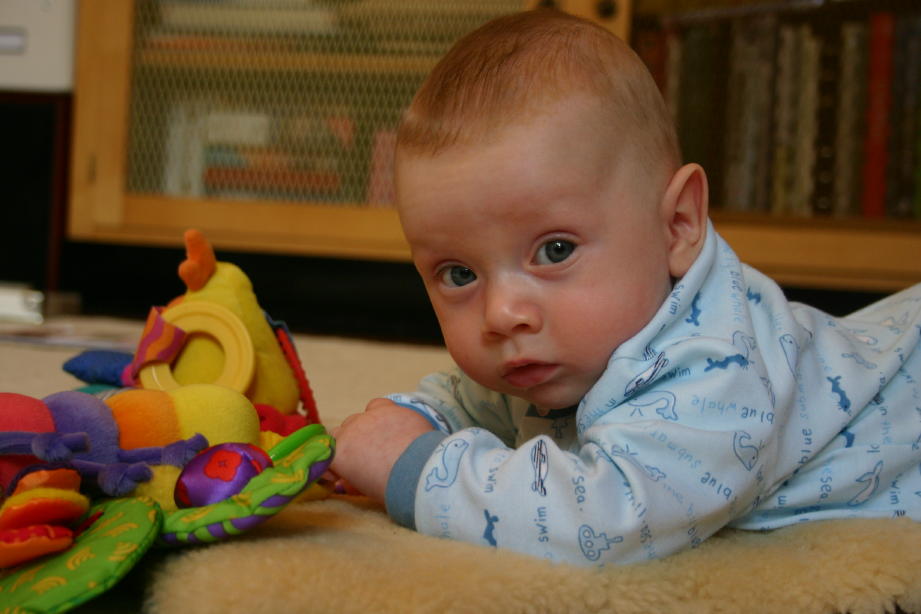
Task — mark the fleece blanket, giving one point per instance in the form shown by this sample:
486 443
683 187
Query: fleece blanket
344 555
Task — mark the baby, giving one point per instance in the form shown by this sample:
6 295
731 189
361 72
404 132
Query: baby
626 387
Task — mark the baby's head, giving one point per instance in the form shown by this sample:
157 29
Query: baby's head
516 69
539 185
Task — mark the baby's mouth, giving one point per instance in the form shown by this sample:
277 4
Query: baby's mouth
527 374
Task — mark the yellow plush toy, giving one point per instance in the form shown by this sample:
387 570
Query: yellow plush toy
224 284
150 418
217 333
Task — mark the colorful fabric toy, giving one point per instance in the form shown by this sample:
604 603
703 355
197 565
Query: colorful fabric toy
242 486
237 346
132 442
218 473
34 519
215 333
298 461
85 432
211 369
115 533
114 536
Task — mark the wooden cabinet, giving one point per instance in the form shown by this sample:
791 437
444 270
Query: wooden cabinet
138 66
131 69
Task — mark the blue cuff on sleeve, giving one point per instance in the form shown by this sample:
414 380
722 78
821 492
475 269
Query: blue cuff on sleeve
400 497
432 421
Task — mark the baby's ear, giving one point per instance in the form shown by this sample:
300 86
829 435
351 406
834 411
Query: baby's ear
684 207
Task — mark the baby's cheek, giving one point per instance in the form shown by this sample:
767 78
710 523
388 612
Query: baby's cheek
597 334
463 351
613 317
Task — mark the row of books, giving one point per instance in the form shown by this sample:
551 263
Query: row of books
331 26
797 112
253 154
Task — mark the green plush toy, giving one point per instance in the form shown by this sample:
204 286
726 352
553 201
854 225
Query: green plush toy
115 534
121 531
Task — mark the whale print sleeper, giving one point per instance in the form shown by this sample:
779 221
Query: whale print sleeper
731 407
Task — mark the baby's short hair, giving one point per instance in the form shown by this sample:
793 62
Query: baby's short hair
509 69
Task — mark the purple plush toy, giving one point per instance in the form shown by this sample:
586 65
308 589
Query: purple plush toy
218 473
78 430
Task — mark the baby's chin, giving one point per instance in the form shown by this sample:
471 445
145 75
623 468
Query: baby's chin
545 398
545 403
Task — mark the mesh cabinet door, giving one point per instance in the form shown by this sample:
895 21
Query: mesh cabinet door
281 100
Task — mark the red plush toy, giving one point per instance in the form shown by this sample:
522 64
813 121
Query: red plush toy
45 447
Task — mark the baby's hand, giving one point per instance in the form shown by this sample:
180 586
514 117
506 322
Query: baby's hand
368 444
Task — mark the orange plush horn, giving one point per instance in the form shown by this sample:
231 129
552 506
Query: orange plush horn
200 262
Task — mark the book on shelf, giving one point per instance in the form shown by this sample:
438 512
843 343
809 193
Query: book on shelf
784 119
879 96
747 130
648 39
807 98
192 127
797 109
228 179
184 149
249 17
701 101
795 150
248 128
904 114
158 39
253 154
381 191
849 118
911 123
828 36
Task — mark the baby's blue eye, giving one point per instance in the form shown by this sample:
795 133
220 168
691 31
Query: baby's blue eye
458 275
555 251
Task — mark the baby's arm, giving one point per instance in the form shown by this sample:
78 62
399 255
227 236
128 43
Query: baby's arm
608 502
369 443
645 478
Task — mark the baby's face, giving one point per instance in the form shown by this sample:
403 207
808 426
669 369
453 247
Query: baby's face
539 258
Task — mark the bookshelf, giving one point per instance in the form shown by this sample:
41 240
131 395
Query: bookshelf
145 91
805 115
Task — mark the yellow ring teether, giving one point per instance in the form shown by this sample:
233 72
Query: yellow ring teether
221 324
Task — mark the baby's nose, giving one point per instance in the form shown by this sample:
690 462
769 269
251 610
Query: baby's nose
511 308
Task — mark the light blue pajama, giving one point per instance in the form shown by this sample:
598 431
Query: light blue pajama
732 407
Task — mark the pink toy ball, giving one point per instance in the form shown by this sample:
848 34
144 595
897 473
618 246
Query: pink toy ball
218 473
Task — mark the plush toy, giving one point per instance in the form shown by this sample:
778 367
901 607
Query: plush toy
81 432
218 473
75 427
133 442
210 369
35 519
105 544
217 332
297 461
115 533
